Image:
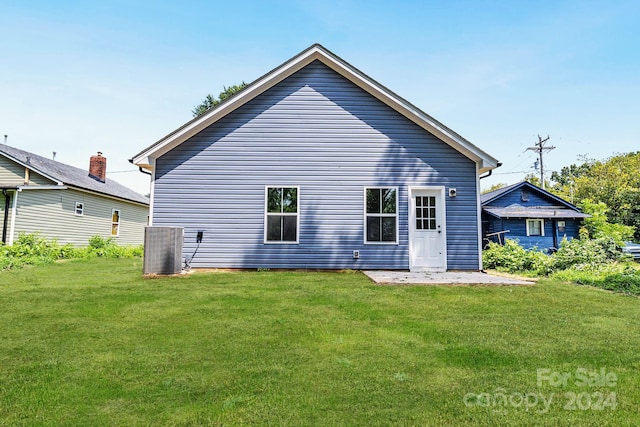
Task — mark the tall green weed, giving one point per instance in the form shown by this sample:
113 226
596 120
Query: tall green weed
596 262
33 249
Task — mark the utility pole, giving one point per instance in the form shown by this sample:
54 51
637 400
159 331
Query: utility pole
540 148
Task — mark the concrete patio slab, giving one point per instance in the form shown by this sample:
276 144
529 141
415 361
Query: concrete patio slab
444 278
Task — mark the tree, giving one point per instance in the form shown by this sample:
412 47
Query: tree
598 226
534 179
494 187
614 182
210 101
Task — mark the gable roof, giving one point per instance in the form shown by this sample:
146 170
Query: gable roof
496 194
563 210
62 174
315 52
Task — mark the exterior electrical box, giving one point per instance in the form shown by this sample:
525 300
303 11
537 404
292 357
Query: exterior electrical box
163 250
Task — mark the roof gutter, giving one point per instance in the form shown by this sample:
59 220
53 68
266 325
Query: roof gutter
140 168
490 171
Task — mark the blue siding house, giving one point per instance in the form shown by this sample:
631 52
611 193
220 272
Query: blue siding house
315 165
529 214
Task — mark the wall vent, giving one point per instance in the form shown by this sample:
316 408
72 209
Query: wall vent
163 250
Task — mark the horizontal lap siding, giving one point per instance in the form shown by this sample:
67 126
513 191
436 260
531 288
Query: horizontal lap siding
52 214
13 174
319 132
518 231
515 197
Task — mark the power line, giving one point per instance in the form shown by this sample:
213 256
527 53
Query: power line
540 149
127 171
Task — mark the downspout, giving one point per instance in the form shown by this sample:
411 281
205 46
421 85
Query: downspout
5 221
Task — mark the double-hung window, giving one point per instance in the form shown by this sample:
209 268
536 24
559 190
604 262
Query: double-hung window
535 227
115 222
79 209
381 215
281 215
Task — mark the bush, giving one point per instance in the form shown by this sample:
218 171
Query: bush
33 249
107 247
513 258
574 254
580 253
594 262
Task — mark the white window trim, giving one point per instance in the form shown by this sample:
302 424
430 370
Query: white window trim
119 222
541 226
81 209
266 215
366 215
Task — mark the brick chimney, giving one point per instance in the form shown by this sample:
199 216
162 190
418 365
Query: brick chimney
98 167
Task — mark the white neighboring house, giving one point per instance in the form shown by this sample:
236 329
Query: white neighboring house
66 203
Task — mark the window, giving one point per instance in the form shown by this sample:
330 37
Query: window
535 227
79 208
281 206
115 222
524 195
381 215
561 226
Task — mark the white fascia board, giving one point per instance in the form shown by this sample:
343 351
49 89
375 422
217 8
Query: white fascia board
41 187
484 160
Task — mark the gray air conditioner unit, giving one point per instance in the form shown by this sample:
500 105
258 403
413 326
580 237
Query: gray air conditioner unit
163 250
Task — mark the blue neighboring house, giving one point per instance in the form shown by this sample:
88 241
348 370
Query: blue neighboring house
533 216
316 165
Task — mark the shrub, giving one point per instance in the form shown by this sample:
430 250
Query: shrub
594 262
33 249
579 253
512 258
107 247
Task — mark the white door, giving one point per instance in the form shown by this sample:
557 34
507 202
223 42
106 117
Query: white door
427 234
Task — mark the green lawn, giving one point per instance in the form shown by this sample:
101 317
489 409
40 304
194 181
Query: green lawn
92 343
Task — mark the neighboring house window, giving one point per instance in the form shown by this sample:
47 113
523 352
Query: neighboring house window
281 211
115 222
524 196
79 208
381 214
535 227
561 226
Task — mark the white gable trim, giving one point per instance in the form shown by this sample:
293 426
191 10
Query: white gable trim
485 162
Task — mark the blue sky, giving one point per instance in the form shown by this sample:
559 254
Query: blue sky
80 77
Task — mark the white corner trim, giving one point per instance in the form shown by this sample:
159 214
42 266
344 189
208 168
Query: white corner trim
479 210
